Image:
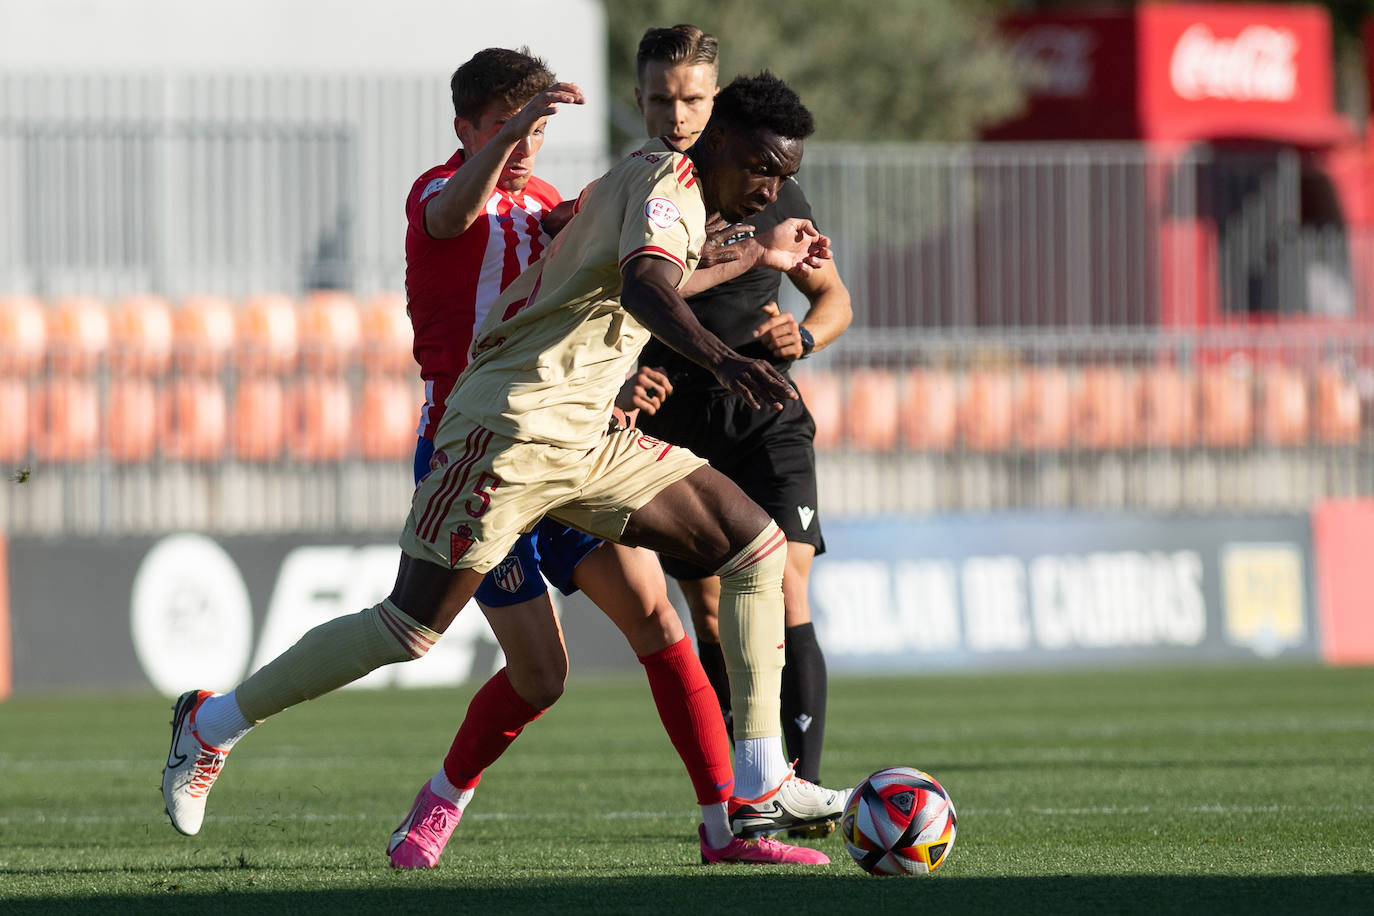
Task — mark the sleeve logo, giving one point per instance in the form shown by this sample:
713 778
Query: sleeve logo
433 187
662 212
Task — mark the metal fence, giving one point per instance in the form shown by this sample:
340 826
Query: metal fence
178 185
1048 326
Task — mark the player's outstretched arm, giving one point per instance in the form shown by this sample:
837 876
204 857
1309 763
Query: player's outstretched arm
793 246
450 212
650 294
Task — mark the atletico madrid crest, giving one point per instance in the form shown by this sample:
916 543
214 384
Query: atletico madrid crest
509 575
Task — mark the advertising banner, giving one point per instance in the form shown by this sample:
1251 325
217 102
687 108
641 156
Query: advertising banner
1030 590
900 595
186 610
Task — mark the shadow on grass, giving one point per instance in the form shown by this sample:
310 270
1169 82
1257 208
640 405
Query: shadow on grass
729 890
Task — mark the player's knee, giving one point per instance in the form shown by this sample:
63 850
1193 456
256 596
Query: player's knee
539 685
759 565
657 631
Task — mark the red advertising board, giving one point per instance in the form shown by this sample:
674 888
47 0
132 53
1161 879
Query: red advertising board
1178 73
1341 534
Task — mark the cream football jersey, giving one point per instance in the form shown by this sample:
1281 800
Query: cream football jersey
556 346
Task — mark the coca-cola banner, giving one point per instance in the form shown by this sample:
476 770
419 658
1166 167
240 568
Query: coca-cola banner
1219 71
1178 72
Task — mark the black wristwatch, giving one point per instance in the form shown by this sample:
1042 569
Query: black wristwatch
808 342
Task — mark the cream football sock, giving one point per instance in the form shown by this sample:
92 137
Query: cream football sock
331 655
751 638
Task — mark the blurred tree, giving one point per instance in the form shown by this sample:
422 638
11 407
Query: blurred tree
870 70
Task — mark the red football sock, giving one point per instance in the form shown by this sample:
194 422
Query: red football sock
691 716
495 718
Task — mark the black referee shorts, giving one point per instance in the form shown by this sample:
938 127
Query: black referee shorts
769 454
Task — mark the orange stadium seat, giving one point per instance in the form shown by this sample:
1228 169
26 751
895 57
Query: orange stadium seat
985 411
1228 409
387 335
928 411
259 419
131 420
23 335
331 331
1040 409
78 334
14 428
870 415
65 421
267 333
1103 409
320 412
1167 408
822 394
141 335
1338 407
195 420
386 424
1284 416
203 333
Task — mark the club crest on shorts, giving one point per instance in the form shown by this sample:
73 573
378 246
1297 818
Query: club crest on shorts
509 575
459 540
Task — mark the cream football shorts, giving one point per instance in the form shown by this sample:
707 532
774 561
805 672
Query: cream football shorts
484 490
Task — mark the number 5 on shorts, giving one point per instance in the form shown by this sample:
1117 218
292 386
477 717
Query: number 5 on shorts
485 482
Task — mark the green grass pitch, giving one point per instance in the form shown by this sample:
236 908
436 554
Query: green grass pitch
1245 789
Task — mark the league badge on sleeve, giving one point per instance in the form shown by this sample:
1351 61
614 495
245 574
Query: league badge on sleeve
662 212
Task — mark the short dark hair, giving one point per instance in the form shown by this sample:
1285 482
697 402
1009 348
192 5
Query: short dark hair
681 44
762 101
498 75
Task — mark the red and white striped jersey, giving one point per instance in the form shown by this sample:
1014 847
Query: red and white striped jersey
450 283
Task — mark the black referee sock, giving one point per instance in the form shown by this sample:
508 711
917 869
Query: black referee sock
803 700
713 660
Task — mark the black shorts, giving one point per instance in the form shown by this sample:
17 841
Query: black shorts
769 454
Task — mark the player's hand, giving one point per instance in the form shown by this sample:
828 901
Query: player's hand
645 390
718 232
780 333
554 221
543 105
794 246
756 381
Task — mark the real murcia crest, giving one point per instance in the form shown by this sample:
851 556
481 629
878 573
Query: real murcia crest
806 514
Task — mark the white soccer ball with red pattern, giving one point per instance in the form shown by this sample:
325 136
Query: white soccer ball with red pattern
899 821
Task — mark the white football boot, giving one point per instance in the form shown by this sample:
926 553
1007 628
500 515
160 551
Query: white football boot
192 766
794 804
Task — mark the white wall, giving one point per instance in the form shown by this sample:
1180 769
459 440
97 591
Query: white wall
378 70
411 37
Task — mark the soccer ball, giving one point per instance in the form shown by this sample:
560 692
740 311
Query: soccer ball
899 821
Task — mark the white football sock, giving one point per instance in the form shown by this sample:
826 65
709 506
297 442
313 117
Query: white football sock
760 766
220 723
439 784
716 818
